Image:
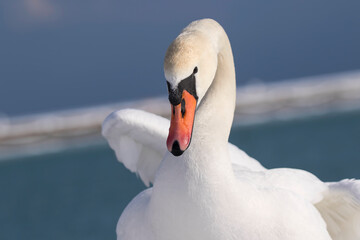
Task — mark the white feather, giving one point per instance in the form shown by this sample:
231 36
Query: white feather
340 209
138 139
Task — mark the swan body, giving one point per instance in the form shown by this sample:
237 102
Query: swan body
207 188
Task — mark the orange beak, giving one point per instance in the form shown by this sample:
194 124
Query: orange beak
181 126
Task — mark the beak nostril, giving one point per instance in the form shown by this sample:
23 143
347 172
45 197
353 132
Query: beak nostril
183 107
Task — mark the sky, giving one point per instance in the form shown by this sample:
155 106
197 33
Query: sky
69 54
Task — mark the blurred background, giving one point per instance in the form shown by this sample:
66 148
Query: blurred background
65 65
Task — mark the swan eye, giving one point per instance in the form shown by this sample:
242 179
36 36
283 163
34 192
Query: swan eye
195 70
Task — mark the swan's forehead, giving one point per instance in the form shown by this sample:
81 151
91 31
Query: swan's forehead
182 56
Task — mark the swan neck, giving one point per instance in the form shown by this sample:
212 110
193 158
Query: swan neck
215 113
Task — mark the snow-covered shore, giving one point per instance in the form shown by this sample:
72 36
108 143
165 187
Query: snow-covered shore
256 103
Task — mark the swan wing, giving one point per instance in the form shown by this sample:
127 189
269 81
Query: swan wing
337 202
240 160
340 208
138 139
296 181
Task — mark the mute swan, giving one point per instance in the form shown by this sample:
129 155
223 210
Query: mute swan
207 188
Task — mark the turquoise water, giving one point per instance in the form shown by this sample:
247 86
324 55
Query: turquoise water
80 193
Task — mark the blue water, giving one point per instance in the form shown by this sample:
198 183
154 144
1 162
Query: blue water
80 193
81 53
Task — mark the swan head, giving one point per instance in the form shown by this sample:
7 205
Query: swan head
190 67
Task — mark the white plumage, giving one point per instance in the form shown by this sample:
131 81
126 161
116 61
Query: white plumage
215 190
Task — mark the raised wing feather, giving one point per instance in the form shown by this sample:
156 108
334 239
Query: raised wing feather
138 139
